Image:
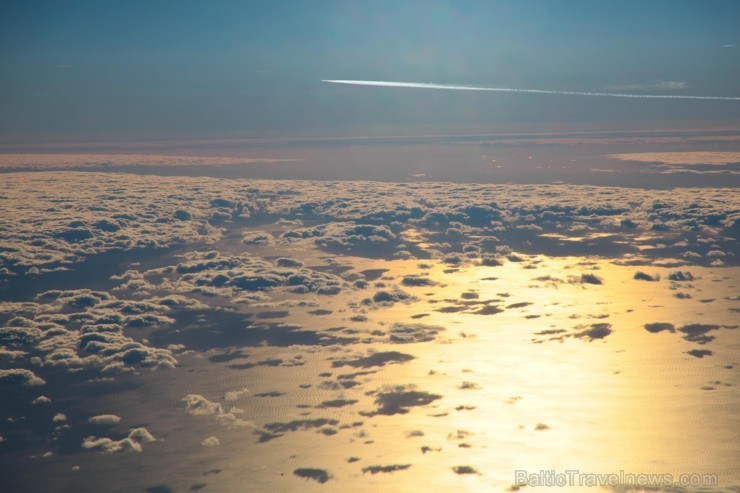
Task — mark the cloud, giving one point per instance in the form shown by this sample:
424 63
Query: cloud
385 469
699 353
385 297
234 395
197 405
412 280
112 213
380 358
337 403
397 399
679 276
595 331
698 332
8 354
457 87
231 276
205 306
642 276
659 85
131 443
105 419
405 333
211 441
278 429
591 279
20 376
320 475
656 327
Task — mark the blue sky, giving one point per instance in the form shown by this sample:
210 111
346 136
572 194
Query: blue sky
191 68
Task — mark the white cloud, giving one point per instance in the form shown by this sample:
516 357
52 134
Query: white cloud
211 442
131 443
105 419
18 376
236 394
197 405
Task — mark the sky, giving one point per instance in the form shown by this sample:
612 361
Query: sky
150 69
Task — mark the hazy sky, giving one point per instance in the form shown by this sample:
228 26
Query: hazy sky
77 69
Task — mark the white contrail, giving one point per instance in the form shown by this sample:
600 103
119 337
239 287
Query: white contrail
456 87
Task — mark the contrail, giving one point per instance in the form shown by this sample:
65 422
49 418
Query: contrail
456 87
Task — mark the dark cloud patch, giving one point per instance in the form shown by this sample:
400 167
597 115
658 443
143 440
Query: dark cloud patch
160 488
588 332
595 331
353 375
272 393
273 314
399 398
385 469
519 305
401 333
320 475
591 279
698 332
228 356
278 429
451 309
338 403
642 276
389 297
656 327
490 261
373 274
679 276
488 310
376 359
266 362
417 281
699 353
468 386
320 312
